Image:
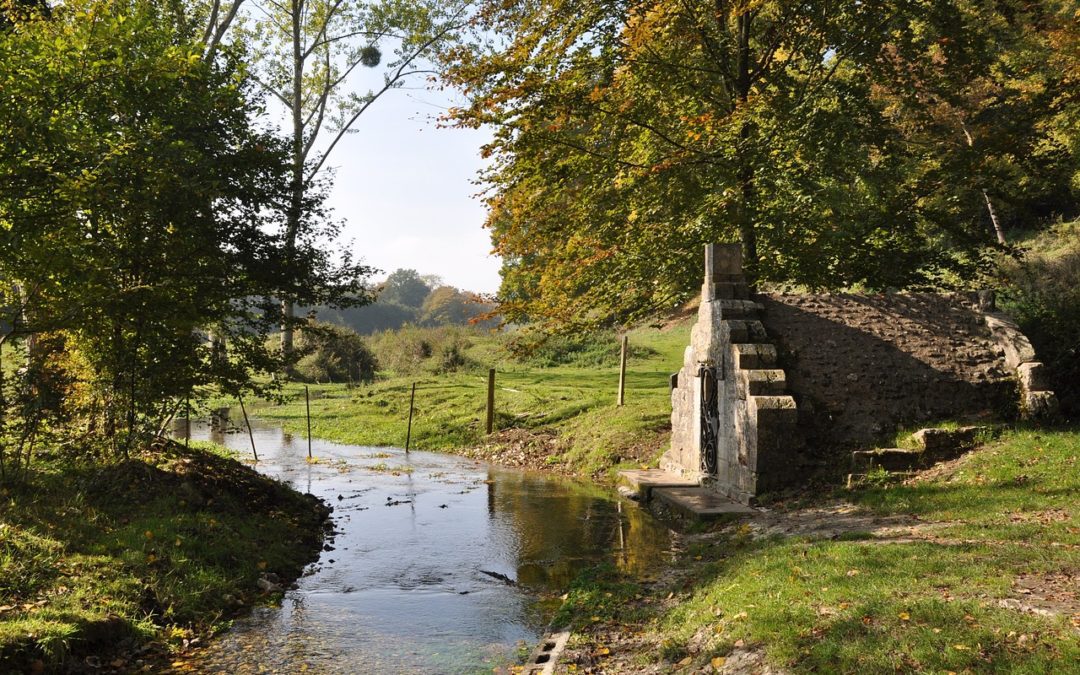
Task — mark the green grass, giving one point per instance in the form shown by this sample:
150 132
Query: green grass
576 403
161 548
862 604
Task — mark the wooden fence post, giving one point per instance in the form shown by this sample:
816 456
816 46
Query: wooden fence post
491 401
622 372
247 423
408 433
307 405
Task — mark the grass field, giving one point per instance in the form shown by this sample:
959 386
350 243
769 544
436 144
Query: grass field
577 403
985 539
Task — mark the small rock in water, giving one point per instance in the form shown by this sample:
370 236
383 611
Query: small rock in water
442 506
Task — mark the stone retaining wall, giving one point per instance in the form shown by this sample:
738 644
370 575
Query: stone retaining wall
802 379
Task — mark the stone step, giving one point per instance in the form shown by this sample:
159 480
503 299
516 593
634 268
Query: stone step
740 309
746 330
754 356
698 503
640 483
729 290
766 382
890 459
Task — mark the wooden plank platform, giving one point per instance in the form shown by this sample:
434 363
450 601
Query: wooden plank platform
643 481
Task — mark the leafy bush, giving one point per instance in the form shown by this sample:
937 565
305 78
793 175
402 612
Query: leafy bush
411 350
588 350
1043 292
334 354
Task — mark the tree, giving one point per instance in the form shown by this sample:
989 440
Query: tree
404 287
139 208
627 136
448 306
334 354
305 53
967 86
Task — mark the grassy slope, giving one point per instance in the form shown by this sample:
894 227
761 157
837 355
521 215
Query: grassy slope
577 403
862 604
163 547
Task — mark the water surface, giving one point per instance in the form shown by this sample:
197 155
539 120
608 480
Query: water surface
413 584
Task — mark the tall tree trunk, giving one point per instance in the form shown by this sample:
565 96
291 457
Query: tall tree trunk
746 216
998 231
292 225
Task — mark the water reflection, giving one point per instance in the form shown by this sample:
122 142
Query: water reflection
413 583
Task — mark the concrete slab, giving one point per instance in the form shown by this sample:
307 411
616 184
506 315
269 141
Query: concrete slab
642 481
701 503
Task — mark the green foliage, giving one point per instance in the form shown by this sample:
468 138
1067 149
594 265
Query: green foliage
1042 290
447 306
586 350
334 354
842 145
404 287
137 218
412 350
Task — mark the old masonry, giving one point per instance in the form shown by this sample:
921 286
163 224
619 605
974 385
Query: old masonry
774 387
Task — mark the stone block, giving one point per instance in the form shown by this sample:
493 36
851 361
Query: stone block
773 410
727 290
1033 376
746 330
770 382
1039 405
739 309
1007 334
890 459
723 259
754 355
941 444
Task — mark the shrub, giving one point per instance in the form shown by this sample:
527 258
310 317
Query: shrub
1042 291
588 350
411 350
334 354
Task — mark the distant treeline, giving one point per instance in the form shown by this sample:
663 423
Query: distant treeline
409 298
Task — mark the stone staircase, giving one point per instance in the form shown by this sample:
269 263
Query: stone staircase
932 445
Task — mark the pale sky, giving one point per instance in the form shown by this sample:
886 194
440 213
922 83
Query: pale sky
404 188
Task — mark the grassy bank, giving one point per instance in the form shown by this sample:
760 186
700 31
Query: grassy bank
972 567
99 561
563 416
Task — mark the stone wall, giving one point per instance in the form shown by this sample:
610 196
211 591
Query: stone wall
758 444
801 379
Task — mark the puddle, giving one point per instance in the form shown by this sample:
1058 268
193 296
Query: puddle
440 564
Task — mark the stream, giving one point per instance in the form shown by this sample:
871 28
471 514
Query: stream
440 564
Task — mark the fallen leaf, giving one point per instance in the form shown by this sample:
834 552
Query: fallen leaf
961 648
603 651
718 662
685 662
852 573
904 616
